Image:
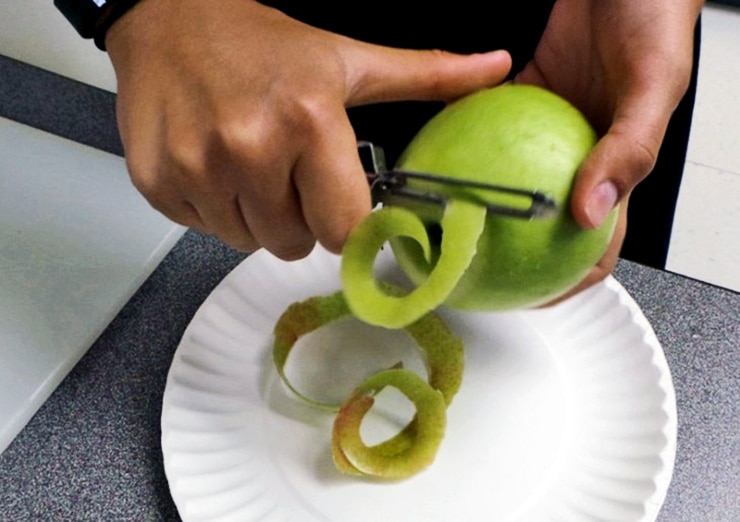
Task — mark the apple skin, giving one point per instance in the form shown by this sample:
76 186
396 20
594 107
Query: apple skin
521 136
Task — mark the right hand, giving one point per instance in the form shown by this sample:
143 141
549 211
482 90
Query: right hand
233 117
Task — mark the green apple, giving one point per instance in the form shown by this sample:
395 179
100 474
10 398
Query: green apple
520 136
514 135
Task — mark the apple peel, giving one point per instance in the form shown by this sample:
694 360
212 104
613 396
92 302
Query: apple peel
390 461
400 455
462 224
299 319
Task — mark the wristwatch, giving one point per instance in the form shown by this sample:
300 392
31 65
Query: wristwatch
93 18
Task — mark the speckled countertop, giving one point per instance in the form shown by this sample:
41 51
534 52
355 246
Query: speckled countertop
93 451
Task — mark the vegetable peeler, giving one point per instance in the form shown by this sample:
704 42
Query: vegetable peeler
385 182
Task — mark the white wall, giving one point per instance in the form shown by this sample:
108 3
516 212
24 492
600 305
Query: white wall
34 31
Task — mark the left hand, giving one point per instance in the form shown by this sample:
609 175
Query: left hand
625 64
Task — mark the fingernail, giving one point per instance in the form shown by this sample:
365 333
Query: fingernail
601 202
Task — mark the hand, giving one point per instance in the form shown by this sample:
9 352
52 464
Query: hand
233 116
626 64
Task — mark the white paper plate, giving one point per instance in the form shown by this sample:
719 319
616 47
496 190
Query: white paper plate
565 414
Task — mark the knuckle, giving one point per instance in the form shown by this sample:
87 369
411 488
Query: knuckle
235 134
309 113
242 244
334 241
295 250
143 177
247 142
435 75
186 159
644 154
291 241
638 151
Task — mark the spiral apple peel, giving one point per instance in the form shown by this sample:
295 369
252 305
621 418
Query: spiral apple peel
414 447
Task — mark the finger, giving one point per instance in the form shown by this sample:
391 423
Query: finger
223 218
606 264
532 75
278 225
333 189
185 213
163 196
204 210
269 208
241 188
622 158
173 188
387 74
177 209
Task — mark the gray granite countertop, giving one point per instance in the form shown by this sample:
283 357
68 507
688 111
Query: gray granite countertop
93 452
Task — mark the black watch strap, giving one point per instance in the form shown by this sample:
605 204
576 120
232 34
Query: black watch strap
93 18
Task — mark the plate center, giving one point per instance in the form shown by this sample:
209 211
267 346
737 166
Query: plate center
327 364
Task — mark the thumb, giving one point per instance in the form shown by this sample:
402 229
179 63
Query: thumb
622 158
383 74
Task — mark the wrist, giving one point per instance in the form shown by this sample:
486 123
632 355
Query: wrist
93 18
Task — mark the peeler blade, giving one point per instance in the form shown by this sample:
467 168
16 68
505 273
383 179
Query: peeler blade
384 183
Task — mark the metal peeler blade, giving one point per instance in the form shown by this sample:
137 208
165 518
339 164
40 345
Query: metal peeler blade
385 182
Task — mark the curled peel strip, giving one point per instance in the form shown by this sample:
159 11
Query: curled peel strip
414 447
399 457
298 320
462 224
